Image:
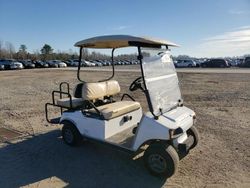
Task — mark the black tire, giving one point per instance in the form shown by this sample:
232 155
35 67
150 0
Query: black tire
189 65
161 160
195 134
70 134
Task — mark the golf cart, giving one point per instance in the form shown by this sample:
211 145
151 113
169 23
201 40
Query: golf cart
166 131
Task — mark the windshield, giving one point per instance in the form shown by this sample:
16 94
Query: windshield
161 79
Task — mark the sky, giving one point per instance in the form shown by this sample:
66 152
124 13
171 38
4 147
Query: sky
203 28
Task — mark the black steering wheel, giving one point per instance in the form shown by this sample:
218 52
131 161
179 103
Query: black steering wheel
136 84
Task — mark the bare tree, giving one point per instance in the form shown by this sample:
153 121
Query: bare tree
10 49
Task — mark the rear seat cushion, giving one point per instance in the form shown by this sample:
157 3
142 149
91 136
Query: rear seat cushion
92 91
65 102
116 109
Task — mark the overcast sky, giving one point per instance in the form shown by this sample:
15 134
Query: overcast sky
209 28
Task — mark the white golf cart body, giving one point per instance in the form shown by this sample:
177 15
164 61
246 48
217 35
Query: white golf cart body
163 95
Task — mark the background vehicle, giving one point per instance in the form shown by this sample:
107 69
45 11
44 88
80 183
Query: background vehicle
93 114
11 64
246 62
28 64
6 63
185 63
232 62
41 64
73 63
212 63
86 63
98 63
16 65
1 66
57 64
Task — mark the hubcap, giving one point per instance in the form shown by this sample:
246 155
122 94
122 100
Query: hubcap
68 136
157 163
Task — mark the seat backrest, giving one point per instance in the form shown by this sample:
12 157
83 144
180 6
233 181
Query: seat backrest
98 90
78 90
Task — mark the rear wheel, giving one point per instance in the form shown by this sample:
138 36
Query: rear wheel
161 160
70 134
195 134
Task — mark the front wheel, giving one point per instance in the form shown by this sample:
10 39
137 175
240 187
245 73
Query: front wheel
70 134
195 134
161 160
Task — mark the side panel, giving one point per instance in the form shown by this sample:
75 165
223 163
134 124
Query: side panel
101 129
87 126
149 129
152 129
118 125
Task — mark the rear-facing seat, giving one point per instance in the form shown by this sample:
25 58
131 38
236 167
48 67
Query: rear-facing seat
77 100
97 91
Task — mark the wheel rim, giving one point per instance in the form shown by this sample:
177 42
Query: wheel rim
157 163
68 136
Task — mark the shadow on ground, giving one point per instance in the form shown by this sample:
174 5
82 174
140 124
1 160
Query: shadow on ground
89 165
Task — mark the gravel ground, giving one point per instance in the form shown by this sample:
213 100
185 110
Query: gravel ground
41 159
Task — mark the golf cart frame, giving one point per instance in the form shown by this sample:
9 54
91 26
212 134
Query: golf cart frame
169 132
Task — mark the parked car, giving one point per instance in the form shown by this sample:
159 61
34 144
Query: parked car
199 62
52 64
246 62
232 62
86 63
1 67
16 65
213 63
11 64
107 63
185 63
57 64
28 64
41 64
5 63
71 63
98 63
239 61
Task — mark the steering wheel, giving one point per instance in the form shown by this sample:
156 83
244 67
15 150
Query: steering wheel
136 84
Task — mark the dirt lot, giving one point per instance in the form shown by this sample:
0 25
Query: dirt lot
222 104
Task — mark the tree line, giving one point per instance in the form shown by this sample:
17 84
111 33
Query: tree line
8 51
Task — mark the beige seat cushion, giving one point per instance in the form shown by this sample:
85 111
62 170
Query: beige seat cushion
116 109
65 102
92 91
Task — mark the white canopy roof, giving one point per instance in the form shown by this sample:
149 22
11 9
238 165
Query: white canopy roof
118 41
